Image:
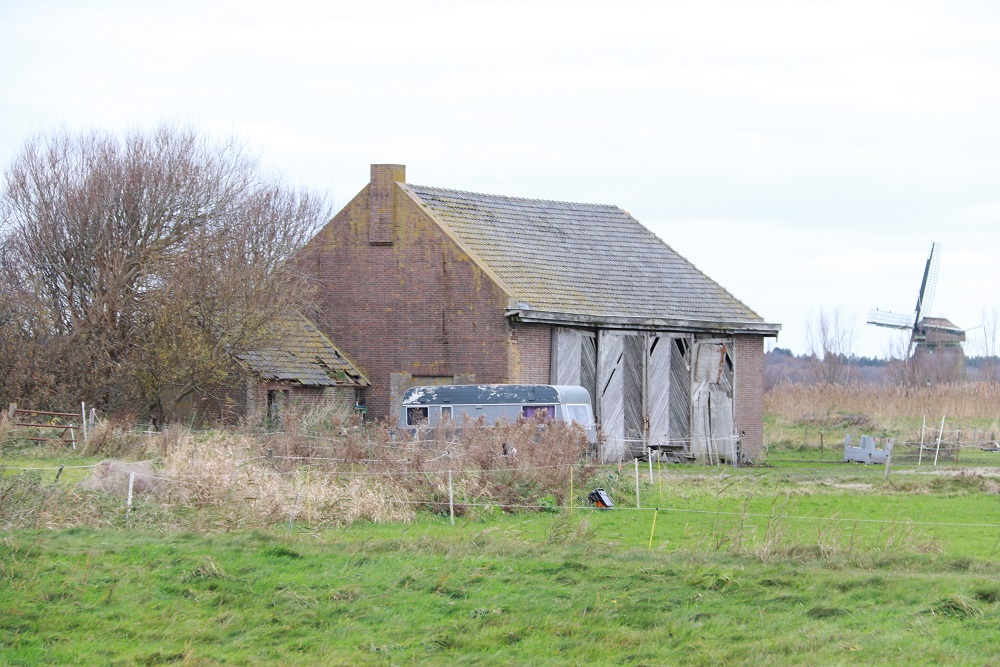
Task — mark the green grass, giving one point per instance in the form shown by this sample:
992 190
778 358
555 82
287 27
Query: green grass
543 589
800 562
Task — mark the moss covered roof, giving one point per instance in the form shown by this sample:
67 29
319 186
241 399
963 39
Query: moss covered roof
299 352
587 259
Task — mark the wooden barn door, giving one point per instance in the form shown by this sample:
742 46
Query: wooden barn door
712 424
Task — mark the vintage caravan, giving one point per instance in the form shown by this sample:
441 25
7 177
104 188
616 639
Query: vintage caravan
436 404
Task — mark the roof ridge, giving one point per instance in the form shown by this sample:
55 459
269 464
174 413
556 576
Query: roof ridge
525 199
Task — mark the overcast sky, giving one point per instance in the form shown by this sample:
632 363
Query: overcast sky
805 155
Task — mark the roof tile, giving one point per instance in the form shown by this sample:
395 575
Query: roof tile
586 259
299 352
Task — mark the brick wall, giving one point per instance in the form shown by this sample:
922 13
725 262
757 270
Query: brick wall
299 397
531 353
407 302
749 393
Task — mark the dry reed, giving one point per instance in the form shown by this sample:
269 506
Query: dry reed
795 402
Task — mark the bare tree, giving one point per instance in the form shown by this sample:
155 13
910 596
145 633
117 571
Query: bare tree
830 340
987 344
900 370
148 262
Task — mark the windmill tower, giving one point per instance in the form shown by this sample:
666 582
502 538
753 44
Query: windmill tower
935 345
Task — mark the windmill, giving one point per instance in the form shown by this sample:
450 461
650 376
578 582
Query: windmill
927 334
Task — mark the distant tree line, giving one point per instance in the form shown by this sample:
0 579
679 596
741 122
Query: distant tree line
783 365
133 269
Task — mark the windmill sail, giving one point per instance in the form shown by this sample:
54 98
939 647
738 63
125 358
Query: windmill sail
927 286
883 318
925 297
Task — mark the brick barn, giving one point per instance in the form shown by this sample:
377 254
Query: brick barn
422 285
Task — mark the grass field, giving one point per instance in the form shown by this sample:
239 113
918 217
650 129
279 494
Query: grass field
789 564
802 560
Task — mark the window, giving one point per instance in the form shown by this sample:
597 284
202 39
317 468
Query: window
542 411
445 412
416 416
276 399
579 414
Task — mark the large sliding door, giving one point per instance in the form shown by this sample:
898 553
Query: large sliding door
664 390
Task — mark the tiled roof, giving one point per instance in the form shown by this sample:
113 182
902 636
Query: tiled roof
585 259
299 352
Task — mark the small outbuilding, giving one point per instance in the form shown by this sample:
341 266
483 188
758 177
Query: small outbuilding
300 365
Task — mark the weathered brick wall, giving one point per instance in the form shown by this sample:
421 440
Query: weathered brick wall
749 393
230 403
413 303
299 397
531 353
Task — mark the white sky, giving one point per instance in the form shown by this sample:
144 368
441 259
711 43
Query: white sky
803 154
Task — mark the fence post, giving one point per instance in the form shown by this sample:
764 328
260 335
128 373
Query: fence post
636 483
659 476
888 457
291 514
649 455
940 435
570 488
920 456
653 529
83 419
11 411
128 502
451 499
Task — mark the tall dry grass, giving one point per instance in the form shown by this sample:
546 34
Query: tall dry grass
795 402
321 470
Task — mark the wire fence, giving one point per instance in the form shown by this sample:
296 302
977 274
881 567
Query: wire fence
457 478
307 477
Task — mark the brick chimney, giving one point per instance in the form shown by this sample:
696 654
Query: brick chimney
381 201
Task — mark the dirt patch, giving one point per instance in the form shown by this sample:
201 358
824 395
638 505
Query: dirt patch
955 472
853 486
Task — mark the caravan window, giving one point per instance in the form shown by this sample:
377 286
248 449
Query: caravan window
416 416
445 413
546 411
579 414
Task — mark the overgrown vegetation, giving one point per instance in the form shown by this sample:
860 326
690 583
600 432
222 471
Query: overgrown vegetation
972 400
813 419
132 269
319 470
